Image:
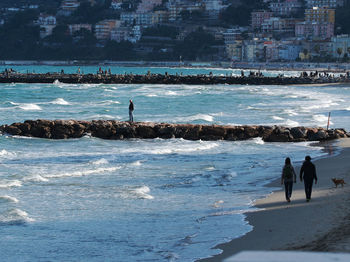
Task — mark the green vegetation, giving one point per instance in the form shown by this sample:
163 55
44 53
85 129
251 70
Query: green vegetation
239 14
342 19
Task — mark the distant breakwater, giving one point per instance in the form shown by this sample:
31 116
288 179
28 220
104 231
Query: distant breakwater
254 79
111 129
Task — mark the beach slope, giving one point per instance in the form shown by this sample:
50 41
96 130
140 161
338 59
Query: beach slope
319 225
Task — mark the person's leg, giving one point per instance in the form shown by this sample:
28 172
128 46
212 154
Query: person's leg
290 189
286 190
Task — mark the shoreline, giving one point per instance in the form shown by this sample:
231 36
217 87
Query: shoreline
319 225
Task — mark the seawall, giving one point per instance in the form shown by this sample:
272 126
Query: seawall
111 129
168 79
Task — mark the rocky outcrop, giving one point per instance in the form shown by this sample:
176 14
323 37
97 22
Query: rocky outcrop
167 79
111 129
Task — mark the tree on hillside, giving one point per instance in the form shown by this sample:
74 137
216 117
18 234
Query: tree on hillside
197 44
239 14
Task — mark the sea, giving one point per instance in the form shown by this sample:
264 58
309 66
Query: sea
90 199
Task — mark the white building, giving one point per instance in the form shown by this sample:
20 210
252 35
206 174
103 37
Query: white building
340 43
324 3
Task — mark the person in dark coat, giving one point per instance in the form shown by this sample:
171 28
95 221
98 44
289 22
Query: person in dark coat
131 110
288 178
308 174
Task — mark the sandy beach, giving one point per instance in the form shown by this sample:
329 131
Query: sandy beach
323 224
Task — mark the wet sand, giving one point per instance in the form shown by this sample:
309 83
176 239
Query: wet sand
323 224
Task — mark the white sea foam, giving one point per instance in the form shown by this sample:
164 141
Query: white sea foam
30 107
101 161
258 140
277 118
10 183
142 192
320 119
204 117
151 95
60 101
290 123
8 199
35 178
136 163
57 82
290 112
15 216
6 154
84 172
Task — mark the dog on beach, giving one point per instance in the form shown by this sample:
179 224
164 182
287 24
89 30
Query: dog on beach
338 182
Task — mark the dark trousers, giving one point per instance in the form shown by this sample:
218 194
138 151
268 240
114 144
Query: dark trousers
308 188
288 186
131 117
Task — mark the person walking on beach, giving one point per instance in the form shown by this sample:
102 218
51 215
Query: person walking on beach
131 110
308 173
288 178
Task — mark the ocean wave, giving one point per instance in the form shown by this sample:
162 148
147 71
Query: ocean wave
136 163
6 154
204 117
101 161
10 183
320 119
277 118
258 140
35 178
57 82
290 123
8 199
27 106
138 193
60 101
15 216
84 173
290 112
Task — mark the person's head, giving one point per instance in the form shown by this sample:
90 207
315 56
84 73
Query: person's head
130 101
287 161
308 158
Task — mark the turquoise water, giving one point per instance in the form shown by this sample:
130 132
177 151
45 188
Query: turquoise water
136 70
145 200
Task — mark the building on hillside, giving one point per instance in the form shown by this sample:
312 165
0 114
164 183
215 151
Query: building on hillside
143 19
234 50
253 50
340 46
307 30
46 23
231 35
289 51
320 15
120 34
279 25
147 5
69 5
285 8
45 19
324 3
259 17
77 27
104 28
213 7
116 4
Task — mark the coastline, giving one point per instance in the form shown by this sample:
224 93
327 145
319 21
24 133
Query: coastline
319 225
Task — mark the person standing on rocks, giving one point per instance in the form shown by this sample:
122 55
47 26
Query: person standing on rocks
131 110
288 177
308 173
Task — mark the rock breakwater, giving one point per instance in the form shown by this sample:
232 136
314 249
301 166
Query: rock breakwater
111 129
168 79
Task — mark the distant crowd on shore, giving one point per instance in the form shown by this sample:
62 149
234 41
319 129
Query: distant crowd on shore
251 74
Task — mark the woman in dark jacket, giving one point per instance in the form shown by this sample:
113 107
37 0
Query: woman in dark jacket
288 177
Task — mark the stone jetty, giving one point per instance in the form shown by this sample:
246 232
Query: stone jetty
111 129
252 79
